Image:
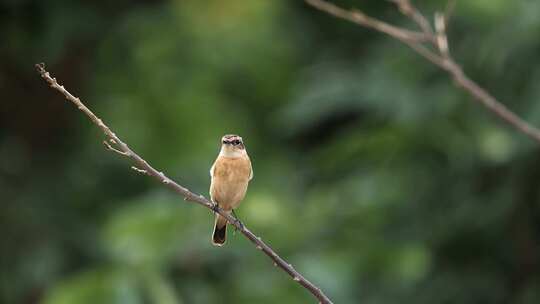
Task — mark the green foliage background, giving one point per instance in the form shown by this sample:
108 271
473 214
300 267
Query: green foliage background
374 176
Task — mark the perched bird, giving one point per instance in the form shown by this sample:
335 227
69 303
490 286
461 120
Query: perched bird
230 173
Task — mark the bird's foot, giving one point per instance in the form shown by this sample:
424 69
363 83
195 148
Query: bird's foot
215 207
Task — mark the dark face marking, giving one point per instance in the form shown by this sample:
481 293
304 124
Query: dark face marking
233 140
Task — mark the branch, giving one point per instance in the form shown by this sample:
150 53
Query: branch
143 167
435 48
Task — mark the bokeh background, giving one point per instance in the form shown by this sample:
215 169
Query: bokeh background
374 176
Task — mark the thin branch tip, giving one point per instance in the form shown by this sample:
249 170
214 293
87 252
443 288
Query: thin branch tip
449 10
40 67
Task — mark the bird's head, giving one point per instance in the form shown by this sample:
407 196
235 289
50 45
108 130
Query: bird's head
232 146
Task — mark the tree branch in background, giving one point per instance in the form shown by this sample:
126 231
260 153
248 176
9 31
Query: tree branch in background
434 47
143 167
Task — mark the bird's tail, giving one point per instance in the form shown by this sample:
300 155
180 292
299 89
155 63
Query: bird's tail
220 231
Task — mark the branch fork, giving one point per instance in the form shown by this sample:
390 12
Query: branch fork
434 47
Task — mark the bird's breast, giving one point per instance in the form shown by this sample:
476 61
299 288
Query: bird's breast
230 179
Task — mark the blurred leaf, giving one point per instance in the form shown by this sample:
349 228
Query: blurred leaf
96 286
145 233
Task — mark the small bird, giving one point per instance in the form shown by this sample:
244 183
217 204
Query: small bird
230 173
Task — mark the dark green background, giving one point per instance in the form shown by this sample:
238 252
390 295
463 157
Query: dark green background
374 176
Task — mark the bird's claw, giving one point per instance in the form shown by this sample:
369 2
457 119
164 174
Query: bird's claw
215 208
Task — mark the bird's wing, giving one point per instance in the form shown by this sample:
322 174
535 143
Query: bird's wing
212 170
251 171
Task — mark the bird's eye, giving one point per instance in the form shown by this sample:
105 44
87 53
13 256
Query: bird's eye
225 142
236 142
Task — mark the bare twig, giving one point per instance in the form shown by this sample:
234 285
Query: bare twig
449 10
406 8
144 167
110 148
141 171
434 47
442 40
360 18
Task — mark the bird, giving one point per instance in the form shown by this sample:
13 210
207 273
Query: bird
230 175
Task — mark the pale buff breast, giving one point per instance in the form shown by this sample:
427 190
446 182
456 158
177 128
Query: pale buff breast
230 178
